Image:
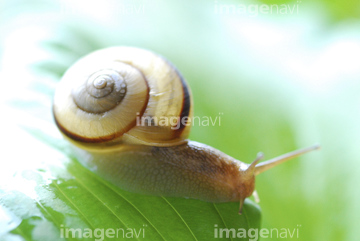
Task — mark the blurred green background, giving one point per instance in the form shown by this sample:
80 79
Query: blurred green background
279 80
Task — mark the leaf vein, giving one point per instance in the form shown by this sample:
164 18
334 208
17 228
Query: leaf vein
73 204
117 192
180 217
217 210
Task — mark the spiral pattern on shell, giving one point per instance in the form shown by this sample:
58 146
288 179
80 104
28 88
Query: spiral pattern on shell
102 97
103 91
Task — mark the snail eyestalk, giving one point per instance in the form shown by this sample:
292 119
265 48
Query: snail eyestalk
256 196
252 166
263 166
249 178
241 206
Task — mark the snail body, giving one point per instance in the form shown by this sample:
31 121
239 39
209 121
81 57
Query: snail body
191 170
97 105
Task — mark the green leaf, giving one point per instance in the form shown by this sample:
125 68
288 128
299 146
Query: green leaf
57 193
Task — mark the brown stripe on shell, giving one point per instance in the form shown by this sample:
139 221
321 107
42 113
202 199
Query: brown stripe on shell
186 105
186 101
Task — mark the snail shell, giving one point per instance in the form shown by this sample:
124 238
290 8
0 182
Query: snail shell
101 97
96 107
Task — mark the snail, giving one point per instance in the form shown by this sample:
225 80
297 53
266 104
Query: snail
97 106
